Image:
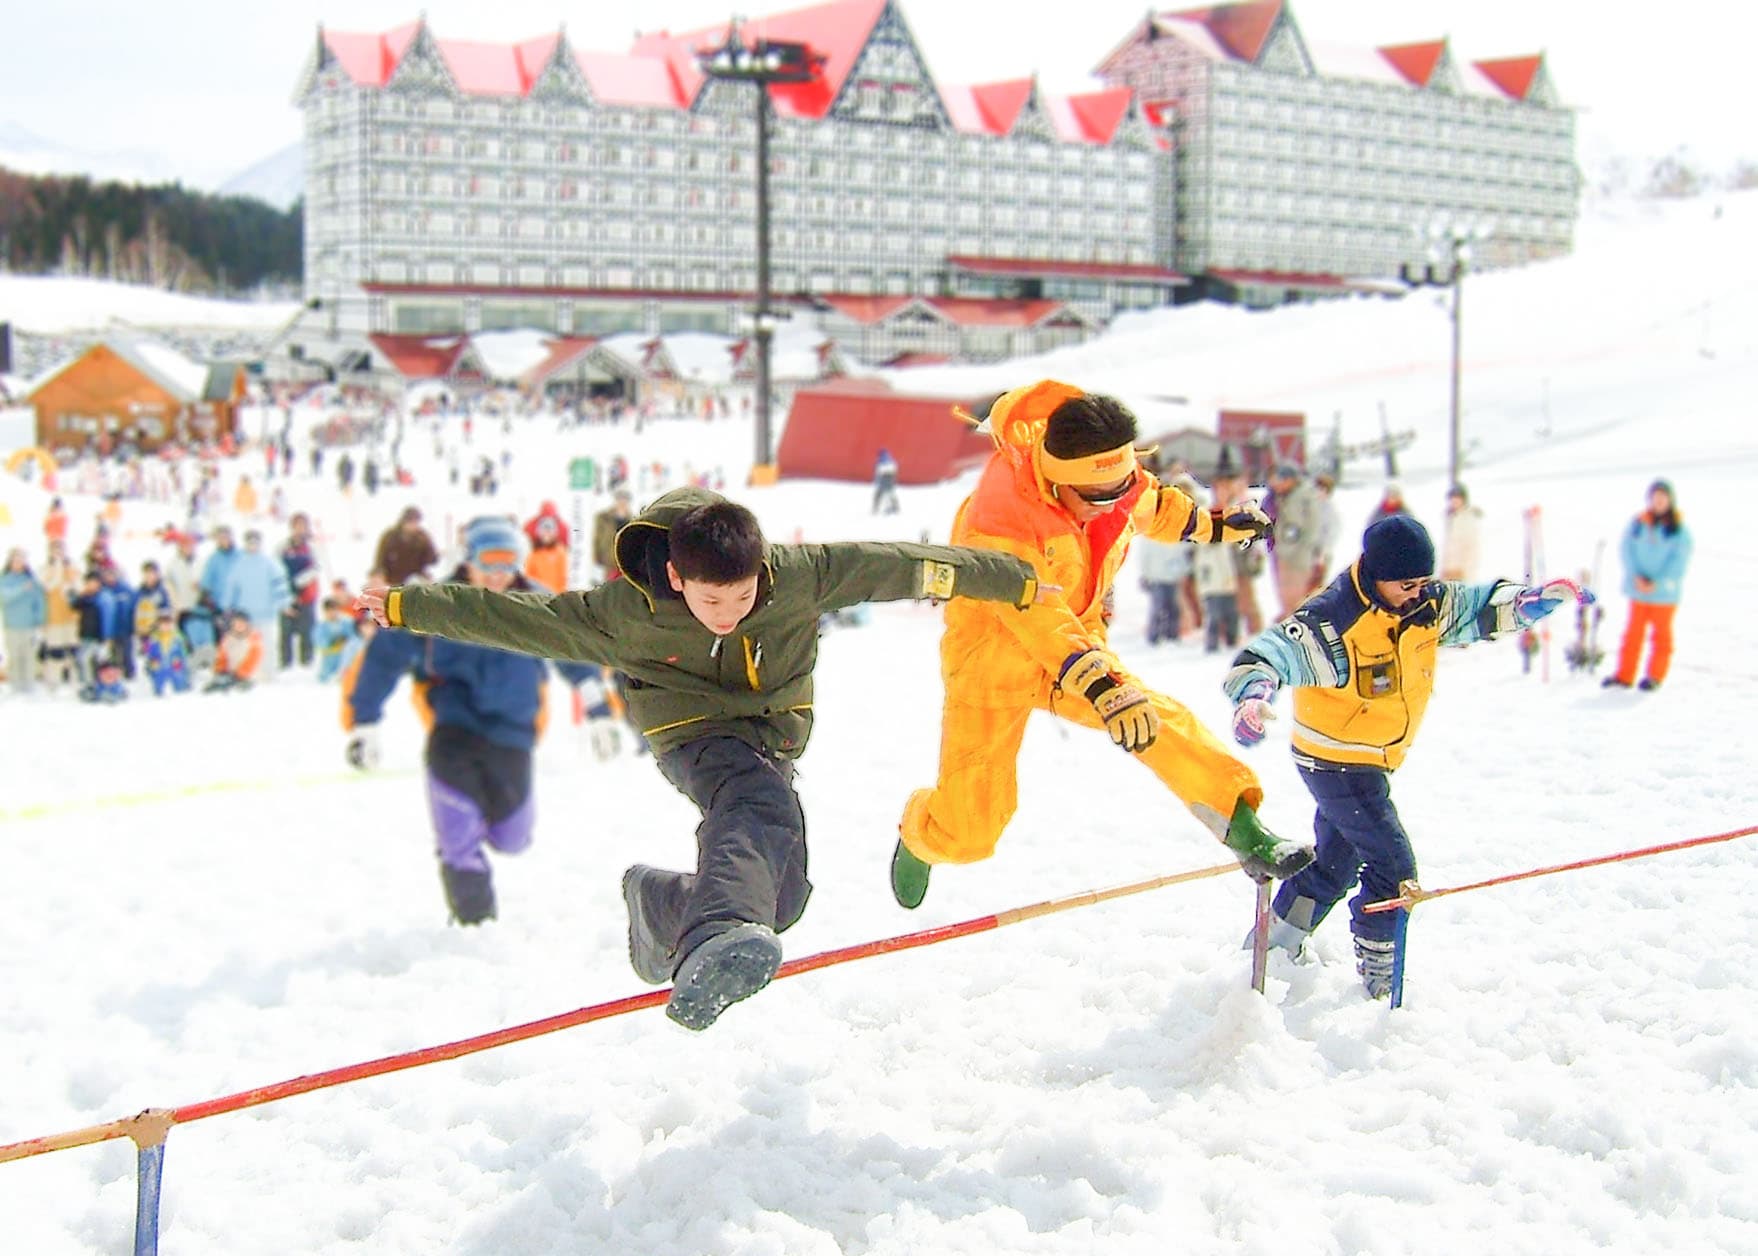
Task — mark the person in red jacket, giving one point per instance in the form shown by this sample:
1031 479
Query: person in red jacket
547 563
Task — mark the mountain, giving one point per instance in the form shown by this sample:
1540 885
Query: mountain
27 152
278 178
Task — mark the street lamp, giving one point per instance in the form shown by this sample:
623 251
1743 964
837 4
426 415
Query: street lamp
1451 241
761 62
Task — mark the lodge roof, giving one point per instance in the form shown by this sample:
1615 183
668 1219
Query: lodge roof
660 70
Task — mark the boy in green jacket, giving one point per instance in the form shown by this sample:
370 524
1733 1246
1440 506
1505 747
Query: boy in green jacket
717 633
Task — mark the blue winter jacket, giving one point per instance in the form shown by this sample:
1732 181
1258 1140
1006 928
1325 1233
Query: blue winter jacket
1649 551
115 609
257 585
492 693
216 573
23 606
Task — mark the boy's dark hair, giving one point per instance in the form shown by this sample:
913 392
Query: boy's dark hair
1088 425
719 543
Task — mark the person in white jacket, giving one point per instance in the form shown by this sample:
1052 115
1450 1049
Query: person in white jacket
1164 565
1460 537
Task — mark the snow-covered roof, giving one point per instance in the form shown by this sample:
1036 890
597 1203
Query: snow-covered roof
702 357
1353 61
508 355
188 380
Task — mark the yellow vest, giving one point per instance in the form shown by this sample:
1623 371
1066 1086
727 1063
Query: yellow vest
1373 719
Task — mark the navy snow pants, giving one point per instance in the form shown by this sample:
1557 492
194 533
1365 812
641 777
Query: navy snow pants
1360 838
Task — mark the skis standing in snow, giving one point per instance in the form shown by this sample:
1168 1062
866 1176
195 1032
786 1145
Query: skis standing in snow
1360 656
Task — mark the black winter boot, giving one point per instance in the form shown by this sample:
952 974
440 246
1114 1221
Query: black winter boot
729 966
469 894
652 958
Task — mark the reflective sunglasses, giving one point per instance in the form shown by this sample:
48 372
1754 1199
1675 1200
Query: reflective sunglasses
1104 496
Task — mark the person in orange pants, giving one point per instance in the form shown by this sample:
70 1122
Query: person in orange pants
1064 492
1656 549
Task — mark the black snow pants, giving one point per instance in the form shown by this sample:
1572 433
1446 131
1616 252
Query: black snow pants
750 846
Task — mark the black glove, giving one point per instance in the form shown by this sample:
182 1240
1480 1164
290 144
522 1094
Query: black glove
1240 525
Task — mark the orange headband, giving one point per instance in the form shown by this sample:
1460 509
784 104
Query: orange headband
1106 467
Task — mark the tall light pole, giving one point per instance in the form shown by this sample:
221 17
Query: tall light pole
761 62
1451 241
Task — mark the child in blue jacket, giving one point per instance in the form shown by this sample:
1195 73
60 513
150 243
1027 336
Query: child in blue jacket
486 708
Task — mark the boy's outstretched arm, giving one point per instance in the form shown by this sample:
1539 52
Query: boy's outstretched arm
551 626
874 571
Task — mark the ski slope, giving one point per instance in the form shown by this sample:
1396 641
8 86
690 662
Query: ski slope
202 898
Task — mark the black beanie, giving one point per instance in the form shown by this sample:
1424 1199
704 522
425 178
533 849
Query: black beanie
1396 548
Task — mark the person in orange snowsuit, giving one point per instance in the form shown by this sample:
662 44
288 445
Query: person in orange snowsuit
240 656
547 561
1064 491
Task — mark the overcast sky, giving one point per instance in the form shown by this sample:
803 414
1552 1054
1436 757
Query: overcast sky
207 84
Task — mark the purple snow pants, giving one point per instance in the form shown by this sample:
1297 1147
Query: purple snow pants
478 793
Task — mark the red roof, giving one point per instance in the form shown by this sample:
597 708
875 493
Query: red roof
616 79
999 104
422 357
964 311
1101 113
1281 279
1514 75
902 360
564 351
978 312
493 69
1043 266
836 31
370 59
1416 62
867 309
660 70
1241 29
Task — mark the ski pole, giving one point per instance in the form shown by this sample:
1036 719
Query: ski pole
1410 893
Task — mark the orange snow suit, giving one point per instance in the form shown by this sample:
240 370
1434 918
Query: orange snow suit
1000 665
239 657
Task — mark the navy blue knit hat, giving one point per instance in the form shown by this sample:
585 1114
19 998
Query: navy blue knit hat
1396 548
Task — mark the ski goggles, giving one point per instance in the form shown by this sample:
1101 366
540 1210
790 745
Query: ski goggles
495 559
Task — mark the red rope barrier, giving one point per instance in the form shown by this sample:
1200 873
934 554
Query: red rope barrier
1410 894
131 1126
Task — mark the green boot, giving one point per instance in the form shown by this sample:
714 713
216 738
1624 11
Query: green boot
1263 855
909 877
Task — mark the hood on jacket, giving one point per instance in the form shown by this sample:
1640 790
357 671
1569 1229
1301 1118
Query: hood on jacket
547 511
643 545
1016 424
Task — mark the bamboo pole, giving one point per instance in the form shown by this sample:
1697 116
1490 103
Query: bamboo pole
1410 893
141 1126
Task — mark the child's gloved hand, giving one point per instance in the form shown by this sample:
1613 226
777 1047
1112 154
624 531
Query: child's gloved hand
1253 712
362 751
1534 603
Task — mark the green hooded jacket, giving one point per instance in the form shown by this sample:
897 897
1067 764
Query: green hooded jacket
684 682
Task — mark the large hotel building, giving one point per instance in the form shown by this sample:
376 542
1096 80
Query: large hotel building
458 187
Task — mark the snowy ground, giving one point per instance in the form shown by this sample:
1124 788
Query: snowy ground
203 899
